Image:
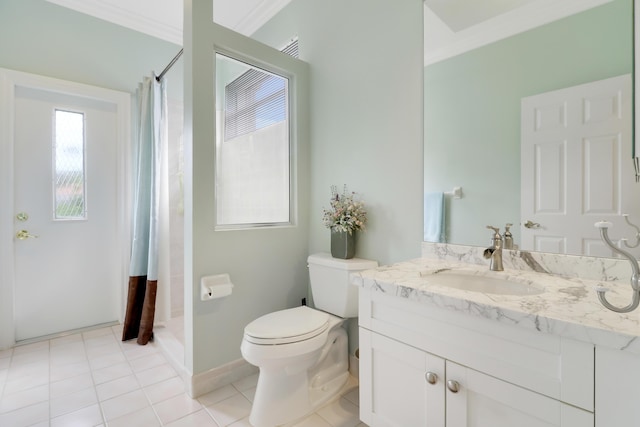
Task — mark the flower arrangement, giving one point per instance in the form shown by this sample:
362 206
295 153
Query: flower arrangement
346 214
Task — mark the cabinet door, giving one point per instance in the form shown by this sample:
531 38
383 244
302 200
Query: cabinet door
484 401
393 386
617 388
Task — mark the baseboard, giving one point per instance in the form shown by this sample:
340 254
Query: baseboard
210 380
204 382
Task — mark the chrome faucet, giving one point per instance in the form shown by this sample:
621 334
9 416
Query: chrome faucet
494 252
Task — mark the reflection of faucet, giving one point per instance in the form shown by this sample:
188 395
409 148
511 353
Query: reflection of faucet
508 237
635 276
494 252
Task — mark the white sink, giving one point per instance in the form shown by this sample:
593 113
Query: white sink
484 283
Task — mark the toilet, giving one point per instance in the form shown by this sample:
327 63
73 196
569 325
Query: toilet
302 352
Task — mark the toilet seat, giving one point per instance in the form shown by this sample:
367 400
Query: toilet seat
287 326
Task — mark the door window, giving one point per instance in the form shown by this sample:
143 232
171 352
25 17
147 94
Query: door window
69 170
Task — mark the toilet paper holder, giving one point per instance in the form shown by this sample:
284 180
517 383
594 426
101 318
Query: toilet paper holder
215 286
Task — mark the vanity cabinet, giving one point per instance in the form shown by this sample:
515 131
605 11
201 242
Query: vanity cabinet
424 366
409 387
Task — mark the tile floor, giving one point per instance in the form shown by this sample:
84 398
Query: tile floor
94 379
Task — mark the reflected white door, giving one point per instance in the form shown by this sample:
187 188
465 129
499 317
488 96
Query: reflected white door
576 167
69 276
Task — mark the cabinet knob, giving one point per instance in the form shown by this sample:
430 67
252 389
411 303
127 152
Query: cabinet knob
453 386
431 377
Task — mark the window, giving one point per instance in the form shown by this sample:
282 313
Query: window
253 165
68 170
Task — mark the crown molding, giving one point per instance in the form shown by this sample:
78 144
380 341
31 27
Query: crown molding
126 17
258 16
169 29
506 25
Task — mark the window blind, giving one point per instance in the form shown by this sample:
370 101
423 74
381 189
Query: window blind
255 100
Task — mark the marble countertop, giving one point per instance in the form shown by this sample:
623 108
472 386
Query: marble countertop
567 306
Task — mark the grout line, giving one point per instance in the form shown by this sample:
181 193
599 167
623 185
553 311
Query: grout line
133 371
93 381
123 348
49 383
62 334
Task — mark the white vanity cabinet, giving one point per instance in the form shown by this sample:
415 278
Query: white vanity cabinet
424 366
409 387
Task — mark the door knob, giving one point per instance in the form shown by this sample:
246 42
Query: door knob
24 235
453 386
431 377
531 224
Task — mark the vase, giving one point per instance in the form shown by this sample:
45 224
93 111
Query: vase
343 244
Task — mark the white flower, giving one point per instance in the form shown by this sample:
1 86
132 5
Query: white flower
346 213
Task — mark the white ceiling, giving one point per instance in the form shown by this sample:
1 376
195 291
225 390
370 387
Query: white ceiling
462 25
451 27
163 18
461 14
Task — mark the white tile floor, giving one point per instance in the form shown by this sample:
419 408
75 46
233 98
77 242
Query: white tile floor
94 379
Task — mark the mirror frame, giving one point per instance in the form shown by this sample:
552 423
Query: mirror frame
636 86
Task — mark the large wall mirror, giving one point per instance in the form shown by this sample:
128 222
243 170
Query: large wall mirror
477 101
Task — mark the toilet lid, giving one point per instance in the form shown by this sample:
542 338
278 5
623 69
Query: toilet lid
287 326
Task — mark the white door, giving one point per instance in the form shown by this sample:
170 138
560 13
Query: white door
617 379
400 385
576 167
485 401
66 250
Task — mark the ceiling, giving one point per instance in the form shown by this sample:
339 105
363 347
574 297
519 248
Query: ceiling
163 18
451 26
461 14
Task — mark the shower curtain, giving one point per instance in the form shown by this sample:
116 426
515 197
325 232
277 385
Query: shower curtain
151 135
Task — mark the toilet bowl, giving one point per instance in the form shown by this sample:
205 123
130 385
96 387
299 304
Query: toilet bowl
287 389
302 352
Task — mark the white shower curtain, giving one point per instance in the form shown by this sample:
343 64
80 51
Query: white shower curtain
151 138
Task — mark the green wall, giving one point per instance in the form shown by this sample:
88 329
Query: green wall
365 131
39 37
366 59
357 135
472 109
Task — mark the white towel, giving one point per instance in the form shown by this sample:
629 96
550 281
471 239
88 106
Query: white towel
434 217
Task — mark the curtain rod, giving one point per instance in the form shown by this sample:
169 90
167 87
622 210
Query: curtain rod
168 67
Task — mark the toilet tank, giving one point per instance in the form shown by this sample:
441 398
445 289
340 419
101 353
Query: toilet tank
330 286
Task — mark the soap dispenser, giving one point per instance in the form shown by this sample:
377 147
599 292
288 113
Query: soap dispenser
508 237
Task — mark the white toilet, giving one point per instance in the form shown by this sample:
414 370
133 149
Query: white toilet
302 352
